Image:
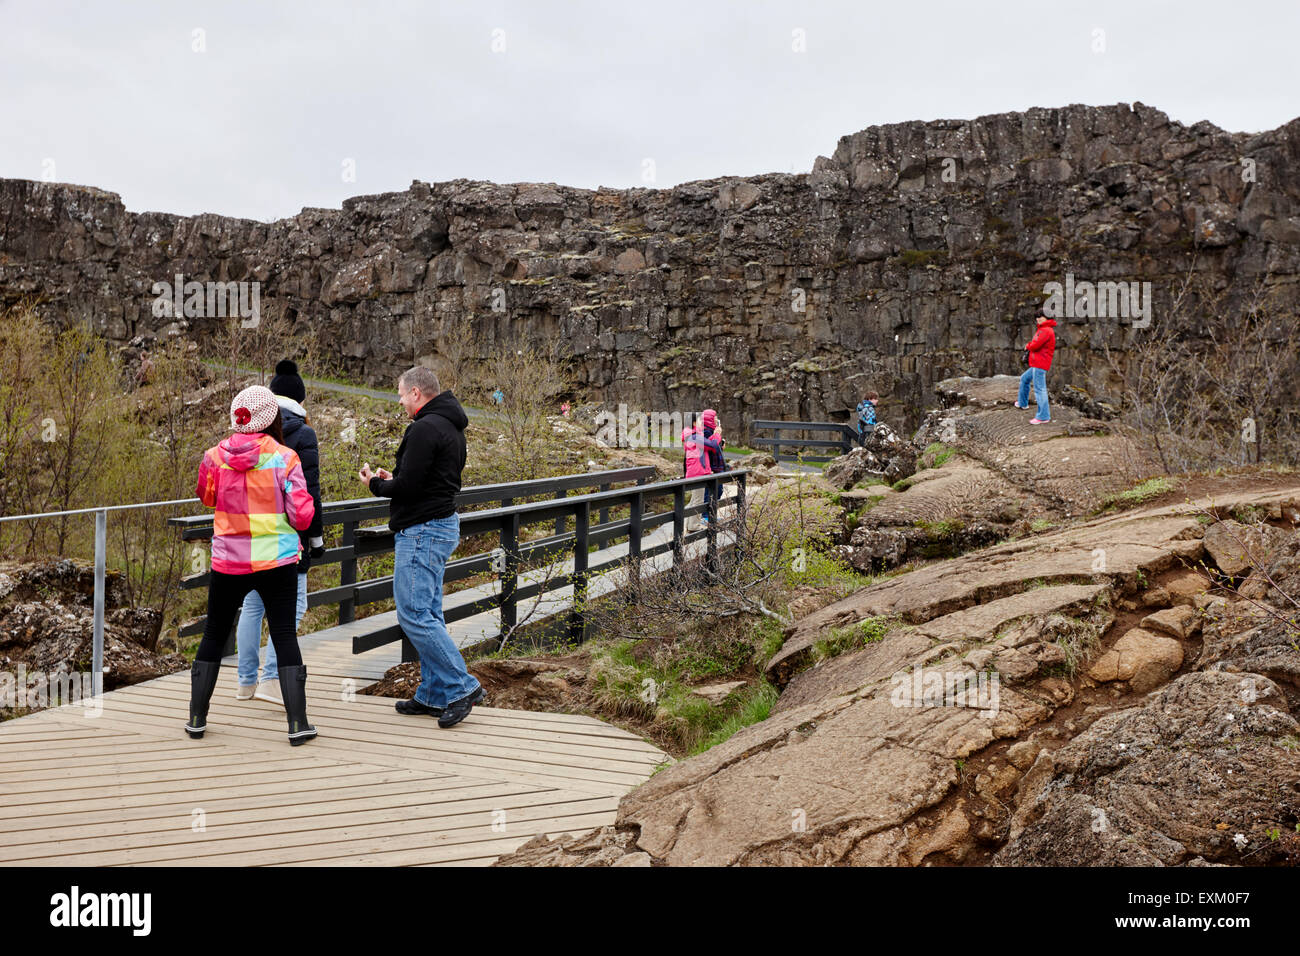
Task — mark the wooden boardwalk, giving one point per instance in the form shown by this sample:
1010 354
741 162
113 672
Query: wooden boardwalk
127 787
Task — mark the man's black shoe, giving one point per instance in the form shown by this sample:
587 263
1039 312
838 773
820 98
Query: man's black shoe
413 706
458 710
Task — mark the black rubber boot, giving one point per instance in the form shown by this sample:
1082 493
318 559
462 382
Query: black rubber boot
203 678
293 688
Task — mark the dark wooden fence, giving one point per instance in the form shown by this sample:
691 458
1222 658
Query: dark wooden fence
847 436
506 560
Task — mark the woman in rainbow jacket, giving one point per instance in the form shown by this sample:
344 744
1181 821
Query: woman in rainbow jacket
257 487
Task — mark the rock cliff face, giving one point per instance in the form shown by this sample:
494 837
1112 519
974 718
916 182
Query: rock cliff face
914 253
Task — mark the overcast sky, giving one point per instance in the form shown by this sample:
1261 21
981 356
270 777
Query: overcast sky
271 105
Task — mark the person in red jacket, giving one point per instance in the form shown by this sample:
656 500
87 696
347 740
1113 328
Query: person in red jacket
1041 348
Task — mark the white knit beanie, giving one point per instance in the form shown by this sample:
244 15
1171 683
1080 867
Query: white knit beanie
253 409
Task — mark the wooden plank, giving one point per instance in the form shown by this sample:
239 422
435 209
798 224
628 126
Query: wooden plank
458 745
443 848
290 785
369 717
94 759
421 791
318 842
171 774
243 824
379 711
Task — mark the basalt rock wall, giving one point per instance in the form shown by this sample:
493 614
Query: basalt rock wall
914 253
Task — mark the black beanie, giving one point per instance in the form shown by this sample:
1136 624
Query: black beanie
286 381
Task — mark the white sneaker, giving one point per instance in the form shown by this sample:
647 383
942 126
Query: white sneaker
245 691
269 690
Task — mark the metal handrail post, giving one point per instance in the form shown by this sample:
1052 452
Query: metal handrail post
101 541
578 617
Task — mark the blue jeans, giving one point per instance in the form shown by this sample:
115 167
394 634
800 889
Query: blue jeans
1038 377
248 635
420 559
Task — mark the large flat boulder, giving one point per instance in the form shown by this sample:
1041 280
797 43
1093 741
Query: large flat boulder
792 790
1110 551
901 647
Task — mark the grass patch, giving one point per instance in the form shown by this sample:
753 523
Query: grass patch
1077 638
755 704
655 688
842 639
1139 493
769 637
941 530
935 455
1041 524
1250 514
922 257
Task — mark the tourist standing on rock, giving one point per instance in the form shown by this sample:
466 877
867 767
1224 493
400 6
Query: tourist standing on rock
290 392
257 486
423 485
1041 348
867 417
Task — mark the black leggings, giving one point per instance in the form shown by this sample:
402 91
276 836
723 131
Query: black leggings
278 588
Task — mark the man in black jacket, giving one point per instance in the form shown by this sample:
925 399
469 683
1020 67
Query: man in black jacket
423 486
290 392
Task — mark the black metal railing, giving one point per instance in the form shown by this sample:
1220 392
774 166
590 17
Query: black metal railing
352 513
510 556
847 436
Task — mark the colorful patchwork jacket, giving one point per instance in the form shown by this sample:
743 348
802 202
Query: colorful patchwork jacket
261 497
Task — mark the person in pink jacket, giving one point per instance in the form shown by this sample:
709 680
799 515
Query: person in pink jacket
256 484
699 451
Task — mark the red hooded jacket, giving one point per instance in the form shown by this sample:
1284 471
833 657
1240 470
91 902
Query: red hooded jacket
1042 346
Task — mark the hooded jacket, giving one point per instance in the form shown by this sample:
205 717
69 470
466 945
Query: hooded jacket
261 499
301 437
698 449
1042 346
430 460
717 464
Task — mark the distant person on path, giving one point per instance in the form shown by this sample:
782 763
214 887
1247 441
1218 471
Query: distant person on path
867 417
498 396
1040 348
257 486
712 429
290 393
423 486
698 449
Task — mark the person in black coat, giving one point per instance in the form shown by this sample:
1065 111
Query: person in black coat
290 392
426 531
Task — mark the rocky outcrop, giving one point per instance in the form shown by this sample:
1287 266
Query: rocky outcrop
911 254
985 474
47 628
884 456
977 725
